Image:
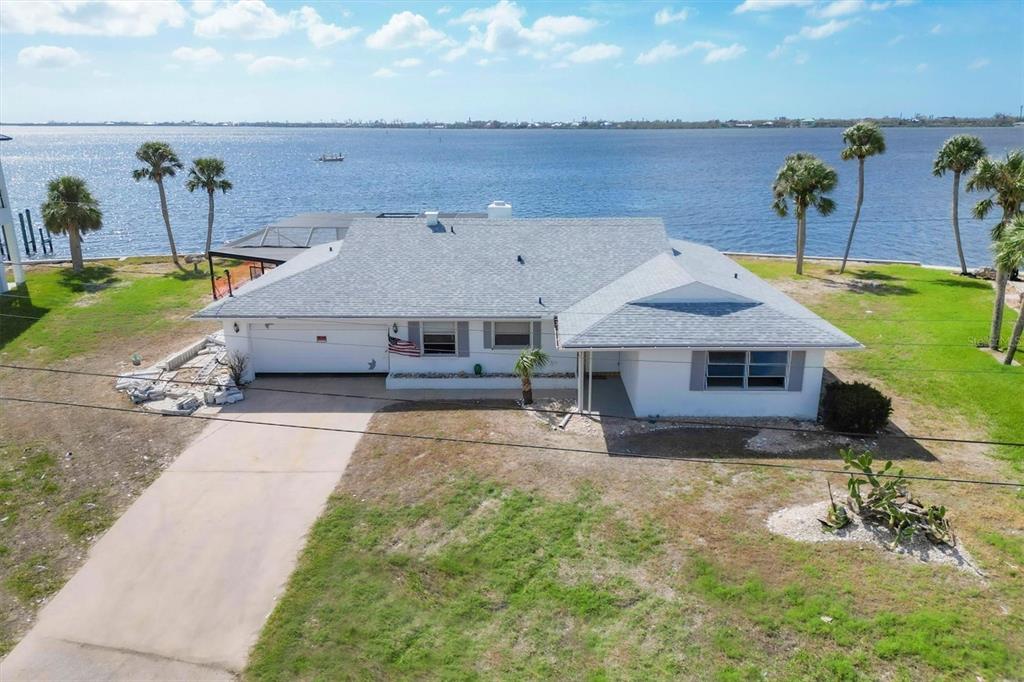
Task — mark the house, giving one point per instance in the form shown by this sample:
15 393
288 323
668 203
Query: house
688 330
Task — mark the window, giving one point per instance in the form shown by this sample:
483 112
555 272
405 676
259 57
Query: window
747 370
511 334
439 338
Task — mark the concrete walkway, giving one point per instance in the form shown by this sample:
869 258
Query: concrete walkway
181 585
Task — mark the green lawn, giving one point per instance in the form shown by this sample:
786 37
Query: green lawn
60 314
915 320
448 561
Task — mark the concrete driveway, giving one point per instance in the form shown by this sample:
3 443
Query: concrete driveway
181 585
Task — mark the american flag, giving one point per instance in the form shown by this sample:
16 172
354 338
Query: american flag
402 347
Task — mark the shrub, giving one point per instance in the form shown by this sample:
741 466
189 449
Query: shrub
855 408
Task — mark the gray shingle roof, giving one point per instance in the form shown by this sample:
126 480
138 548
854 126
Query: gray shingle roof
400 268
611 282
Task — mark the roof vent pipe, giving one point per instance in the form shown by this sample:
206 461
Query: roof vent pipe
432 220
499 210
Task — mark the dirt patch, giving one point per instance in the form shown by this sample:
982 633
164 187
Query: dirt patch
801 523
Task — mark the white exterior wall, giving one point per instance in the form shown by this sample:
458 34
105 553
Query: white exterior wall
494 361
352 345
658 383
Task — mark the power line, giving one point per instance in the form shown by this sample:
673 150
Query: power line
667 420
517 445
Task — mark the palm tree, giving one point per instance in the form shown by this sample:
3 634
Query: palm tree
71 209
1009 252
958 154
862 140
805 179
161 162
1005 179
529 360
208 174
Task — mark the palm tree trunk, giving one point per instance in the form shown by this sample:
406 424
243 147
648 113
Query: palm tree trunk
527 391
856 214
167 220
76 249
956 222
997 313
1018 328
801 231
209 225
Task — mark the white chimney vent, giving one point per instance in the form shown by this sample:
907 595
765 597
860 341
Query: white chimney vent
432 220
499 210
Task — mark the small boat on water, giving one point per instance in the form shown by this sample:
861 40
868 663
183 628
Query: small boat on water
331 157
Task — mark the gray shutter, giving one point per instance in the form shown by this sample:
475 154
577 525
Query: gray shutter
462 331
414 335
538 339
488 337
698 369
796 370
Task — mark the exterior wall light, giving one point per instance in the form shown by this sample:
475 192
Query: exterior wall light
235 327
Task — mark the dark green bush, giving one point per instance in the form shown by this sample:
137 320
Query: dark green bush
855 408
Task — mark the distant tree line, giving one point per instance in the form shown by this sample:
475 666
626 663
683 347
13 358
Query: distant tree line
915 121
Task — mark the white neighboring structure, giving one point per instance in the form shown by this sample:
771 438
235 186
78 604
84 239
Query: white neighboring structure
689 331
7 225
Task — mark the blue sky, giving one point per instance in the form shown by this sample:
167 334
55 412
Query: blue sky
256 60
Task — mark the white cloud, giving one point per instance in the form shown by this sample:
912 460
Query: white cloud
98 18
713 52
659 53
245 57
665 15
979 63
896 40
49 57
724 54
801 58
840 8
444 9
197 56
271 64
408 62
100 73
250 19
404 30
503 30
384 72
319 32
825 30
204 7
767 5
434 73
922 67
593 53
937 29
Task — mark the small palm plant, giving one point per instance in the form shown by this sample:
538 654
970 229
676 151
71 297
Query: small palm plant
207 174
529 361
862 140
1005 179
958 155
1009 252
71 209
805 180
160 162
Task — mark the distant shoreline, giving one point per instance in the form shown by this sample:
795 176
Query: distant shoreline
999 121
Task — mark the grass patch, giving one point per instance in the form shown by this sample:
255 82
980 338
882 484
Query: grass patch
58 313
85 516
33 579
916 320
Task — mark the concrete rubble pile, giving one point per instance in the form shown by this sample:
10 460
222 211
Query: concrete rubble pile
184 381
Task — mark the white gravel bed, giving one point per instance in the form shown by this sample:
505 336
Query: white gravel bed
801 523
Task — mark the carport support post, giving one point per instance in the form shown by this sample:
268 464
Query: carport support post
579 381
590 385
